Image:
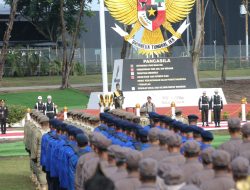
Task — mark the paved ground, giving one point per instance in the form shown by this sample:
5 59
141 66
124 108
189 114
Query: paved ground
9 89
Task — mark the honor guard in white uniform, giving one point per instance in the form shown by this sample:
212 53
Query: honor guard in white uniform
217 106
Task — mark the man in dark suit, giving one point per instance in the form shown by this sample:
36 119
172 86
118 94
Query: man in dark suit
3 116
118 97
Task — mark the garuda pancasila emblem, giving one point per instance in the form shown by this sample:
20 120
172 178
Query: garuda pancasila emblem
151 15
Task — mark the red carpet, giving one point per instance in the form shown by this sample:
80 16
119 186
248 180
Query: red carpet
11 134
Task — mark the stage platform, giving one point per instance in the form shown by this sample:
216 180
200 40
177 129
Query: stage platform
233 110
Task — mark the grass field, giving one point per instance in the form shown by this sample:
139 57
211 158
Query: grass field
70 97
14 165
12 149
88 79
14 173
50 80
229 73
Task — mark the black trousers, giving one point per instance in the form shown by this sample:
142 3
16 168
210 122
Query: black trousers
118 105
3 126
50 115
55 183
217 111
204 115
49 181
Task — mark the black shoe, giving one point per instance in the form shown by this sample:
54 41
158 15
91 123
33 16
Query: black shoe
207 125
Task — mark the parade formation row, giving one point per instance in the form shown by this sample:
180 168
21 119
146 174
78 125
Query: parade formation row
113 151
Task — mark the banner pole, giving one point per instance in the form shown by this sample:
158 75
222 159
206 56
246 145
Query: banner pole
103 47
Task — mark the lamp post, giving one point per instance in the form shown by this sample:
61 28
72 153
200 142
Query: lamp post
188 43
215 58
246 6
244 11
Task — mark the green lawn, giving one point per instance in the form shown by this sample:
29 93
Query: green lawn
14 165
229 73
50 80
70 97
12 149
219 139
14 173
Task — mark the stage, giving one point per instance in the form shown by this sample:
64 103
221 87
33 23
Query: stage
232 109
229 110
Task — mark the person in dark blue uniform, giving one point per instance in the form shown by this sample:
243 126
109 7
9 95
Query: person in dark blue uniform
207 138
197 133
154 121
143 143
73 156
192 119
48 148
58 143
165 121
44 143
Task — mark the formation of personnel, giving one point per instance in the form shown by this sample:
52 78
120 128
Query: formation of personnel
48 108
215 104
113 151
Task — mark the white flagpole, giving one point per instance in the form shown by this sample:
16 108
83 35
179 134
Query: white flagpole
103 47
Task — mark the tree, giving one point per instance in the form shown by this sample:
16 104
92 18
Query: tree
224 34
7 36
55 19
197 44
43 15
70 28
